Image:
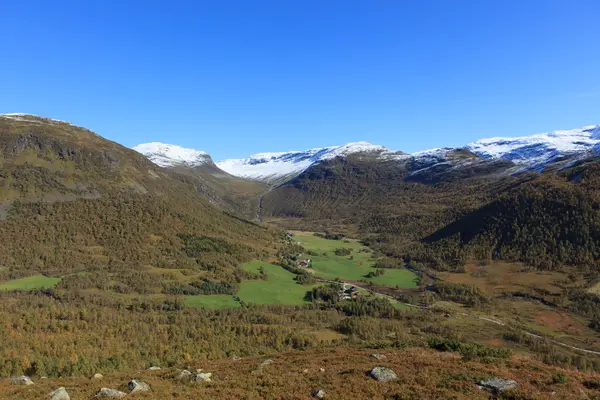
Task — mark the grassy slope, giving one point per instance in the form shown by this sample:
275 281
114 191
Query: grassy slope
332 266
280 288
30 283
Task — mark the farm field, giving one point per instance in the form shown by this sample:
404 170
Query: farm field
30 283
280 288
353 267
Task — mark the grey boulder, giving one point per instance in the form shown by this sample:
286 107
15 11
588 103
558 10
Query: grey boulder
383 374
22 380
59 394
320 394
138 386
203 377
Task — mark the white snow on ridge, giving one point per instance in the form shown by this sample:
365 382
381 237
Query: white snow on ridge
537 150
273 166
169 155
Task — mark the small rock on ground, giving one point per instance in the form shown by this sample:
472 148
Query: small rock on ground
320 394
185 374
97 376
203 377
22 380
379 356
59 394
111 393
498 385
154 368
138 386
383 374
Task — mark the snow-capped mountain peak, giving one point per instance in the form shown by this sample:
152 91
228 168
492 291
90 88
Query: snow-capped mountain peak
537 150
271 167
170 155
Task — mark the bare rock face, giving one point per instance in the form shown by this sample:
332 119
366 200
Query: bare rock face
498 385
22 380
203 377
111 393
59 394
383 374
138 386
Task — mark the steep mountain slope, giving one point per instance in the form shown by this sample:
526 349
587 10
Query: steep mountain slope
73 201
238 195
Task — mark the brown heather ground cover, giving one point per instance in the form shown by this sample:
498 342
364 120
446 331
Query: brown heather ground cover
422 374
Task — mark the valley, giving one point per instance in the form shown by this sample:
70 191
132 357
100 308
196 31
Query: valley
470 259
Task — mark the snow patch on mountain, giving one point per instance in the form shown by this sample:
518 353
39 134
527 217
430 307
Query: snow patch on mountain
535 151
170 155
274 166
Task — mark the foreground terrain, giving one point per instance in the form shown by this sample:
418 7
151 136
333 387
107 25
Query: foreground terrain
341 373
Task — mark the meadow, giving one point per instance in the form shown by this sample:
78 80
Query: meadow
30 283
279 288
353 267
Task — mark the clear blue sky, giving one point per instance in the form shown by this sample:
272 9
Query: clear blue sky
239 77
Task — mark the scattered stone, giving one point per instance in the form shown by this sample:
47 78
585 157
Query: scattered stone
320 394
138 386
321 369
305 371
199 370
236 358
265 363
22 380
203 377
111 393
59 394
154 369
383 374
97 376
185 374
379 356
498 385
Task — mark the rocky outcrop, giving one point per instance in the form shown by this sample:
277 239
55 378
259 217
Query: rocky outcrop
59 394
498 385
22 380
138 386
383 374
110 393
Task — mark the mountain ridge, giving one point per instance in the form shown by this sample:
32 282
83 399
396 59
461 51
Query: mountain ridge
527 153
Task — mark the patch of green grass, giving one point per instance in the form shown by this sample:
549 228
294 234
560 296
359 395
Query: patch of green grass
280 288
353 267
212 301
30 283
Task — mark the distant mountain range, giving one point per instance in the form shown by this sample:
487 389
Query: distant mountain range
527 153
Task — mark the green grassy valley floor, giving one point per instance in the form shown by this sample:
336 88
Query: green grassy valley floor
279 287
